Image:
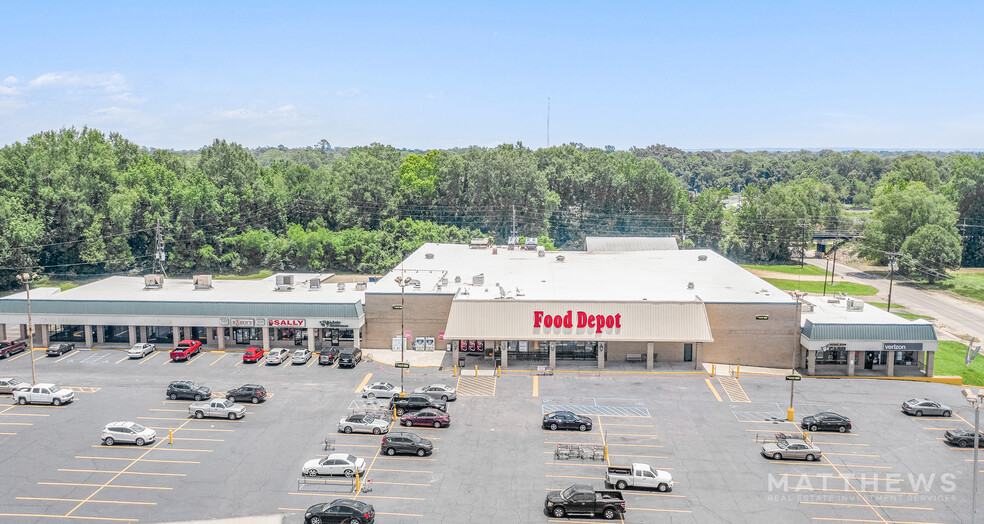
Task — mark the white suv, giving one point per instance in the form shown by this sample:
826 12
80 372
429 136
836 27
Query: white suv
129 432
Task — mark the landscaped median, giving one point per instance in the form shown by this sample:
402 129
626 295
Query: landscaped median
950 359
817 287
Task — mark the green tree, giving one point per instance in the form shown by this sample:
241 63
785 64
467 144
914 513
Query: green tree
900 210
931 250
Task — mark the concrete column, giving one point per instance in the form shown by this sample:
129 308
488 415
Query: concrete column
220 337
131 334
45 336
311 337
649 355
929 363
100 334
920 358
23 331
266 339
176 335
553 354
699 355
357 338
890 364
850 362
454 351
142 333
3 331
505 354
811 362
87 331
601 355
188 332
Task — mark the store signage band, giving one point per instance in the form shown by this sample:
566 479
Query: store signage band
584 320
284 322
902 346
241 322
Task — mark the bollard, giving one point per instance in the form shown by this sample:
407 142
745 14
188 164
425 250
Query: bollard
454 371
606 452
170 436
498 370
476 370
356 481
712 370
737 372
394 413
790 414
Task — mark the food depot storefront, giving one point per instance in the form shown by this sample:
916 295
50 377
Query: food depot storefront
563 330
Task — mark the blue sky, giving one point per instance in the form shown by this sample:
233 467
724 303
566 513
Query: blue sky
892 75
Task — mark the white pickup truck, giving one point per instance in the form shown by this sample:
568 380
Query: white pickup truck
638 476
218 407
43 394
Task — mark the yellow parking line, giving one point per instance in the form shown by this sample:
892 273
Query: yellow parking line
66 355
711 386
918 508
569 477
941 429
160 418
99 485
414 458
639 456
16 423
158 461
201 439
362 384
122 359
631 435
11 359
633 425
194 429
8 434
664 510
26 414
123 472
145 359
224 355
194 358
36 516
42 356
536 387
867 520
839 443
170 410
168 361
851 455
404 470
313 362
398 514
82 501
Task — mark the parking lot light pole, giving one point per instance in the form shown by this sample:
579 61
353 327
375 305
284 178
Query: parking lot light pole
26 278
975 401
402 282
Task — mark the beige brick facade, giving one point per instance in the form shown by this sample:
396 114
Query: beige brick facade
739 338
423 315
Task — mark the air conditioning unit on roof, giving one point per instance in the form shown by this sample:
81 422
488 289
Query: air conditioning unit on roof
155 281
314 284
285 283
202 281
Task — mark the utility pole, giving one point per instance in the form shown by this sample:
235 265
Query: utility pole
893 266
833 268
826 265
159 255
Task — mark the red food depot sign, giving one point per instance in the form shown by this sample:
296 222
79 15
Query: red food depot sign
584 320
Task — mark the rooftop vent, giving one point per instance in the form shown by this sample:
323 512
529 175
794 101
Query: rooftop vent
443 281
284 283
531 243
478 279
690 285
202 281
155 281
560 258
340 287
429 256
360 286
541 251
457 279
480 243
314 284
701 258
854 304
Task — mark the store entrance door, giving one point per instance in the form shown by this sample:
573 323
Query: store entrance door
688 352
241 335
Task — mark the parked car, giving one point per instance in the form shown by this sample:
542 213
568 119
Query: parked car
277 355
254 393
43 394
826 421
185 350
406 443
924 406
441 391
791 449
638 476
415 402
59 349
340 511
566 420
8 385
426 417
127 432
301 356
141 350
380 390
363 423
11 347
582 500
963 438
188 390
218 407
335 464
252 354
328 356
349 357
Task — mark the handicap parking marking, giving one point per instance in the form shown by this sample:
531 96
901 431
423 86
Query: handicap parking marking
483 386
97 357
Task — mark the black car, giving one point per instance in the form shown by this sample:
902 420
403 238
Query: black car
963 438
826 421
187 389
405 443
349 357
416 402
59 349
328 356
254 393
566 420
340 511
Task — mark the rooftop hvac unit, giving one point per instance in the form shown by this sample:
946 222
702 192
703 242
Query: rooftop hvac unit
285 283
360 286
202 281
443 281
428 256
560 258
478 280
457 279
541 251
314 284
531 243
690 285
701 258
480 243
341 286
155 281
854 304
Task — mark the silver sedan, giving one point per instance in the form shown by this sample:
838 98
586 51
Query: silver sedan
140 350
791 449
380 390
363 423
924 406
441 391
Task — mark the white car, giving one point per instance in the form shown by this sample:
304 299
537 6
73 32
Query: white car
335 464
301 356
380 390
439 391
130 432
277 355
140 350
363 423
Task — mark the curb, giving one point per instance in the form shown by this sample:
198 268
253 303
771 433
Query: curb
952 380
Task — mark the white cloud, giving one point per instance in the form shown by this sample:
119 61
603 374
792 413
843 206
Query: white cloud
352 91
10 80
8 90
237 114
108 82
286 108
431 97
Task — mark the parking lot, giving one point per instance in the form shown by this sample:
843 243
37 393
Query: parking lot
493 464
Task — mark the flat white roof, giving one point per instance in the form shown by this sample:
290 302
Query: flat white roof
183 290
581 275
830 310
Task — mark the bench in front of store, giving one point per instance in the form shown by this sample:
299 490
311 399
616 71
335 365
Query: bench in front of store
638 357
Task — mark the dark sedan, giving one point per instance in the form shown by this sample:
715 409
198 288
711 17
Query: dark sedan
328 356
566 420
427 417
339 511
254 393
59 349
403 443
826 421
963 438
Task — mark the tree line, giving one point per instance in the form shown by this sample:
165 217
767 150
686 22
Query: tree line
80 202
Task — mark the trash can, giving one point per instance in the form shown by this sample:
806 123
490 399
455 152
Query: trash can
461 362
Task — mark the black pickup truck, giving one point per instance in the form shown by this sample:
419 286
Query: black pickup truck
582 500
416 402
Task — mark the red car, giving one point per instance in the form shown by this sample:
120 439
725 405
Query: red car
186 349
426 417
253 355
9 347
